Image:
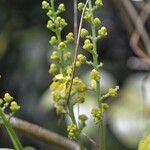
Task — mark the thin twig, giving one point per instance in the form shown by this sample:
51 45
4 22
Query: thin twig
76 51
43 134
91 140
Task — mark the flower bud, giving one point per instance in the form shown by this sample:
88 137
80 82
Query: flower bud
80 6
84 33
14 106
113 91
83 118
78 64
8 98
1 101
45 5
61 7
50 25
81 58
53 69
94 75
97 22
53 40
88 16
87 45
97 114
102 32
98 3
50 13
68 56
70 37
62 46
54 56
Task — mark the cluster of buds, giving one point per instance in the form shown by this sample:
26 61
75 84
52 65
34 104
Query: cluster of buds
9 102
98 112
73 132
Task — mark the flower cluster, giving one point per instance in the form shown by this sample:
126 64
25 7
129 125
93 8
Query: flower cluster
98 112
9 102
144 143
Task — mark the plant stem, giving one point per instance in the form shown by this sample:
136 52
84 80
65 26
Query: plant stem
98 90
11 132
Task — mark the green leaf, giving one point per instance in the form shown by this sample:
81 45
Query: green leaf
29 148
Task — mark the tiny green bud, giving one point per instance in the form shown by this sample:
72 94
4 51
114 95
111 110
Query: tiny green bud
73 132
53 69
88 16
80 99
50 25
50 13
81 58
113 91
84 33
70 37
105 106
68 56
54 56
83 117
87 45
53 40
97 114
1 101
80 6
60 109
102 32
98 3
8 98
78 64
45 5
97 22
14 106
62 46
94 75
61 7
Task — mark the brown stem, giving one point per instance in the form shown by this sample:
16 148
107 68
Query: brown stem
43 134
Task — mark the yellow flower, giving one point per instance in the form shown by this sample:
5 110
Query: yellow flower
145 143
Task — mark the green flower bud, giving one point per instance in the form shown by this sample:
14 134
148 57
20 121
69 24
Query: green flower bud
81 58
70 37
105 106
56 96
62 46
98 3
61 7
73 132
14 106
50 25
80 6
102 32
113 91
1 101
78 64
68 56
97 114
53 40
53 69
88 16
84 33
50 13
60 109
97 22
80 99
54 56
94 75
87 45
45 5
83 118
60 22
8 98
